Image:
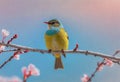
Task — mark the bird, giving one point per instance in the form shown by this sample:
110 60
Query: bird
56 38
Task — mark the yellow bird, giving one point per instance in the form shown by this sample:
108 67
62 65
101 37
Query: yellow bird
56 38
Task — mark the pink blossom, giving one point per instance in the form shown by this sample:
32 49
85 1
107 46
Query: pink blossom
17 56
5 33
31 70
18 53
25 72
108 62
10 79
2 48
100 66
85 78
34 70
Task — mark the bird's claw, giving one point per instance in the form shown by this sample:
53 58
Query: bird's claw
63 53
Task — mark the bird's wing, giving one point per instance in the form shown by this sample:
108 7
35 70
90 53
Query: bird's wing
66 35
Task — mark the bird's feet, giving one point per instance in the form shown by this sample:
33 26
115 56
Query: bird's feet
63 53
50 50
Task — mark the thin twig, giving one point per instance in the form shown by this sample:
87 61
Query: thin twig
116 52
96 70
14 37
9 59
24 80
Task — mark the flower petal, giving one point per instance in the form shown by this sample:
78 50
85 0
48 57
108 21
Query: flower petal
34 71
85 78
5 33
108 62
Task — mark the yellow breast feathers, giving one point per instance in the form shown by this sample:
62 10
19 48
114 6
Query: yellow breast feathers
57 40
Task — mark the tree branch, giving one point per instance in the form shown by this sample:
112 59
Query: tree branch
9 50
85 52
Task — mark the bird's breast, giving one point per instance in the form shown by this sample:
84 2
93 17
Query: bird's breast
56 40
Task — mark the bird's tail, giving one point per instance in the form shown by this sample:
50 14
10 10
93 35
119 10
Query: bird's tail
58 62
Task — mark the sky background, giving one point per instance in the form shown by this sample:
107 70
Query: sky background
93 24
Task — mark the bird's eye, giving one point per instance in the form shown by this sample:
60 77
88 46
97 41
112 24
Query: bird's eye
53 22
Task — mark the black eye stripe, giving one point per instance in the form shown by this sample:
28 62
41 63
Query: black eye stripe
51 22
54 22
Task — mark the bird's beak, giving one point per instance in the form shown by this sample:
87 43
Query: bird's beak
46 22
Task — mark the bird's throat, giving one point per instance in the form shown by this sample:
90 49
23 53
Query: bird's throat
52 31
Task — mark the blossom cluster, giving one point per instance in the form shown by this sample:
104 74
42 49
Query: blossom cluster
100 66
4 33
31 70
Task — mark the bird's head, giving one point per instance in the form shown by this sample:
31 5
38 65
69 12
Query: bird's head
54 23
